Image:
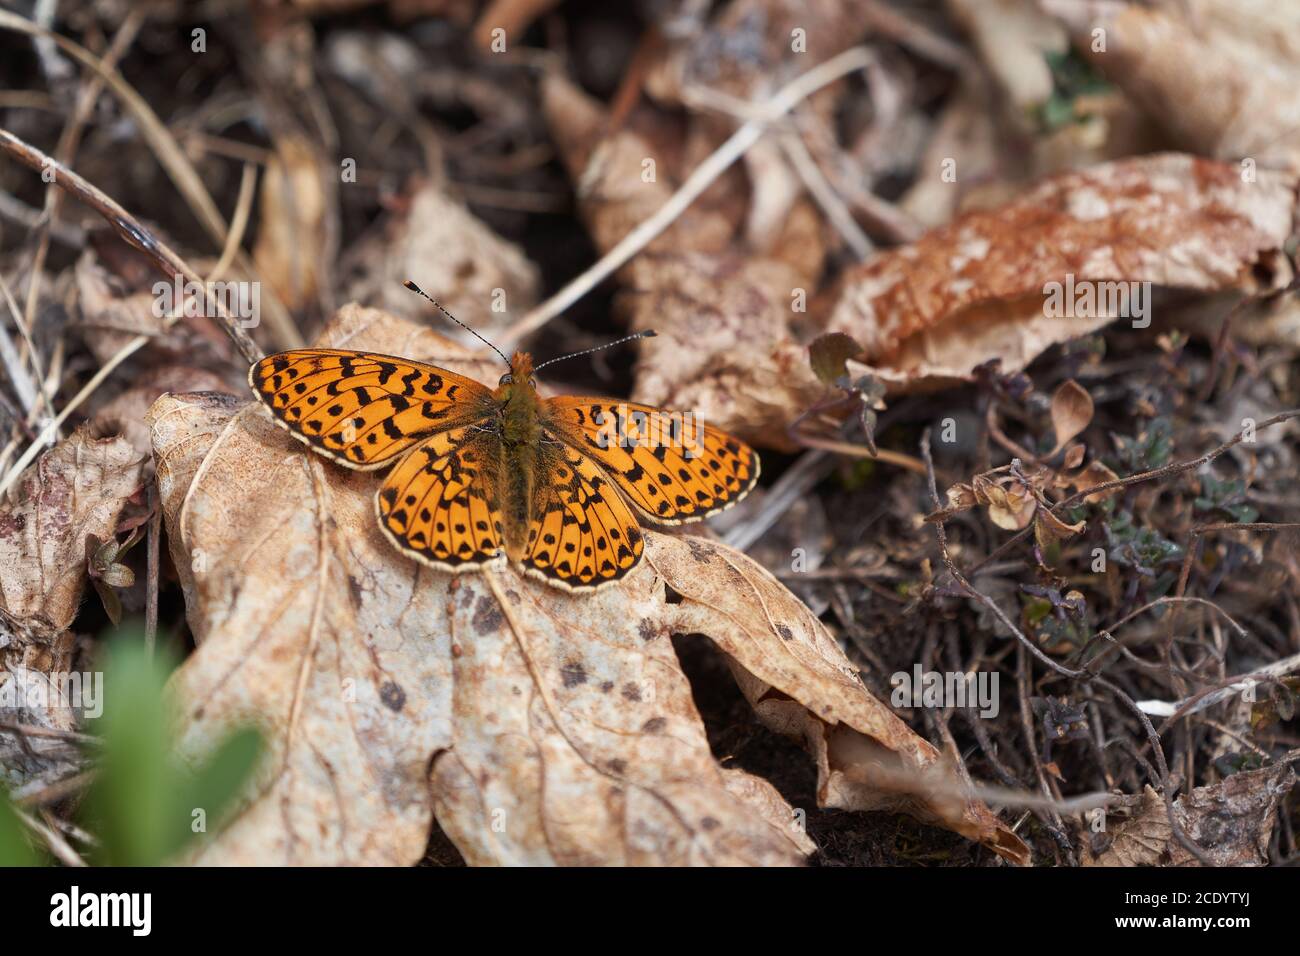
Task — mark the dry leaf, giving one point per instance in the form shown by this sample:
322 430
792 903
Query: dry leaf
1231 820
125 413
964 132
978 289
115 309
1011 501
1071 412
1012 37
828 354
1094 474
484 280
723 350
616 190
1048 528
747 50
292 238
558 728
76 489
867 758
74 492
1219 75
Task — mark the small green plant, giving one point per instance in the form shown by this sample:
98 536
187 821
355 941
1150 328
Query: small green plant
145 805
14 848
1227 497
1148 449
1072 77
1144 550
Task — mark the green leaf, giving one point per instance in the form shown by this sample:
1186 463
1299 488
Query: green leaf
1149 449
131 793
1142 549
1227 496
142 803
213 787
14 848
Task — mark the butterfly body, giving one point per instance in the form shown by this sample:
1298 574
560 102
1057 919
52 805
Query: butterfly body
481 476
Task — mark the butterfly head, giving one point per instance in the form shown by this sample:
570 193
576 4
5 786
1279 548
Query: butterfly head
519 378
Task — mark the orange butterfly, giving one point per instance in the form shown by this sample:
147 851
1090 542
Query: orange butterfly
483 475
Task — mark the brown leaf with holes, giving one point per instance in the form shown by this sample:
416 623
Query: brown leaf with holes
535 726
1004 283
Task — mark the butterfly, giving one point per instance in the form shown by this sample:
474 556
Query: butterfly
483 476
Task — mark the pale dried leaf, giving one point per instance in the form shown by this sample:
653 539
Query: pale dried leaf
1048 528
292 236
1010 501
1094 474
1012 508
485 281
1012 36
724 350
115 309
76 489
615 189
125 413
363 668
961 497
1219 75
801 684
965 133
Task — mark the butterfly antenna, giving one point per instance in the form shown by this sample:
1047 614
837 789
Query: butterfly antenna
647 334
418 291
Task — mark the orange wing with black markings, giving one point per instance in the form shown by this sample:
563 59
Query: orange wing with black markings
671 468
581 534
439 505
363 409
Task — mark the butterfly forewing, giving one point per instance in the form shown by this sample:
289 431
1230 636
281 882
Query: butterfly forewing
360 408
439 504
670 468
582 534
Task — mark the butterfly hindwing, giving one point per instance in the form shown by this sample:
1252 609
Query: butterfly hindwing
581 535
439 504
359 408
670 468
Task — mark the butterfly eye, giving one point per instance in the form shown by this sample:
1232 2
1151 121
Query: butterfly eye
533 383
506 379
